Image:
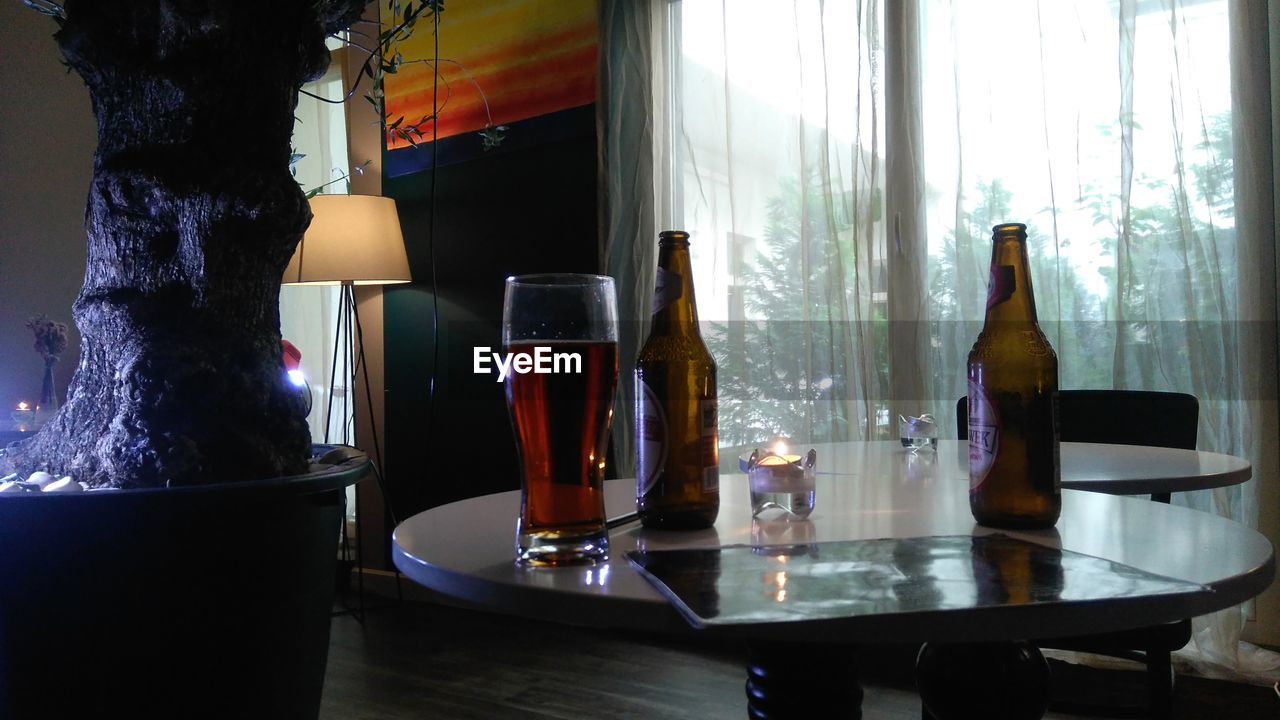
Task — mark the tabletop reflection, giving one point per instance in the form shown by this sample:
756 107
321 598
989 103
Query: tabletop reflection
814 580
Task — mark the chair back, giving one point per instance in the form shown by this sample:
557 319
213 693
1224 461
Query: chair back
1119 417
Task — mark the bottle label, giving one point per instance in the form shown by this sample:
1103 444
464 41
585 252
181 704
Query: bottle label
666 289
984 436
651 438
708 422
1000 285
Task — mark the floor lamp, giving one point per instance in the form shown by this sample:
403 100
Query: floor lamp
352 240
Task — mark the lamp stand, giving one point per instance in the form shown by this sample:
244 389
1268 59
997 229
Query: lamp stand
349 342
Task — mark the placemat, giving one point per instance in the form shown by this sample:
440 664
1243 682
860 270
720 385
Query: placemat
741 584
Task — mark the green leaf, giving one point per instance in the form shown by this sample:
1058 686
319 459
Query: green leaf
492 137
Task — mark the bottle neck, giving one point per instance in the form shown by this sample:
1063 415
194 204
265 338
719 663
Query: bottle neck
675 310
1009 294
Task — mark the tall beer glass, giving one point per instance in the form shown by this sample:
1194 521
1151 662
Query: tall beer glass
560 338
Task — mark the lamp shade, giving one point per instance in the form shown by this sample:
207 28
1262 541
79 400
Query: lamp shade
353 239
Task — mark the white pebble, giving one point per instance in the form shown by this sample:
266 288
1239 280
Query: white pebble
40 478
11 487
65 484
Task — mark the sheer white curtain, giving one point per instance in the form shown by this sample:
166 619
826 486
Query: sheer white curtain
1108 129
767 145
840 165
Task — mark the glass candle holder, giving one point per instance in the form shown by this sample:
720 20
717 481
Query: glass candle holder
781 482
24 414
918 433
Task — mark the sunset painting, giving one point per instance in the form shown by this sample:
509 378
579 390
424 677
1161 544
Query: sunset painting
500 61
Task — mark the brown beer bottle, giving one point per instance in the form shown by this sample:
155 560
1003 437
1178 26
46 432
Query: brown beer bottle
1014 470
677 468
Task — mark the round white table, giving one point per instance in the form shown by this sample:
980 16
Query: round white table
873 491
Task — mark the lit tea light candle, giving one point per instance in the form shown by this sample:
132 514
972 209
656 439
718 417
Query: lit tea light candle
779 455
781 480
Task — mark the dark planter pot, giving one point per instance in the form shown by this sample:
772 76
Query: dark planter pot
202 602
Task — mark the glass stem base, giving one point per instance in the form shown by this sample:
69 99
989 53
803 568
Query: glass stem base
551 548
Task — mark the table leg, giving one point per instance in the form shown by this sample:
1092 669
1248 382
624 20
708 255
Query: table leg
801 680
983 680
1160 684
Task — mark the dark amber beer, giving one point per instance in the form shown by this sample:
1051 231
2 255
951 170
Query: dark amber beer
1014 467
562 429
560 365
677 468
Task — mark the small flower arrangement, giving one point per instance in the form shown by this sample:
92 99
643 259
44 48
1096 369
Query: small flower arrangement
51 337
51 341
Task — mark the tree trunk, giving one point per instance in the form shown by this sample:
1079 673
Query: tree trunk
192 216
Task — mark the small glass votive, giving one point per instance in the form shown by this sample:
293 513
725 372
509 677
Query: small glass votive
781 482
918 432
23 414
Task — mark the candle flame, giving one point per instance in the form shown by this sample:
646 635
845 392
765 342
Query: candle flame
23 406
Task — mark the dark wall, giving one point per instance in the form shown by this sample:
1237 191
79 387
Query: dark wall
46 163
528 207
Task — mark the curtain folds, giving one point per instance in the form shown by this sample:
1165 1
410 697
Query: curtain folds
907 259
631 109
840 166
1254 123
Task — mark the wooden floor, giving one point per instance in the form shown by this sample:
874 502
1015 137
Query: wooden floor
424 661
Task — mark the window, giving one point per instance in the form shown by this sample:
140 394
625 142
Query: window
1104 126
308 313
